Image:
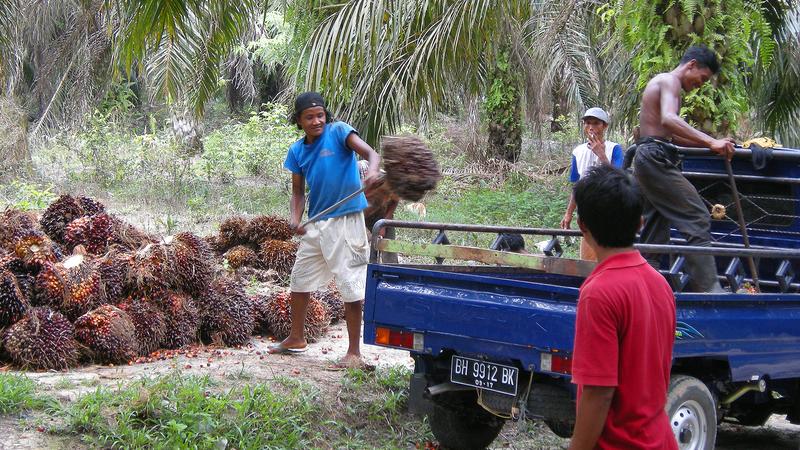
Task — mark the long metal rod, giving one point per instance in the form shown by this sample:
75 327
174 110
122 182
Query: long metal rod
773 253
740 218
333 207
778 154
722 176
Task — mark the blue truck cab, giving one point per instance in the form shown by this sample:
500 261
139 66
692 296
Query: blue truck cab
492 338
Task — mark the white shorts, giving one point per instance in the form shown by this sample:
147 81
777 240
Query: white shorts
334 248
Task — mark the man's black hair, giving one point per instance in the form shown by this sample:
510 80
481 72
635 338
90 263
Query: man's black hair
510 242
704 56
609 205
309 100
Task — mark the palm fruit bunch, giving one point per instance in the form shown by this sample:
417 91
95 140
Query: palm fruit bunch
72 287
263 228
149 322
147 269
181 317
58 215
215 243
90 206
13 225
42 340
259 307
411 169
13 303
25 278
34 248
240 256
93 232
278 255
191 263
279 317
127 236
332 300
225 313
232 231
108 333
113 268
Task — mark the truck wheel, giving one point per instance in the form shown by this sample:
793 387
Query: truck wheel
692 413
458 422
560 429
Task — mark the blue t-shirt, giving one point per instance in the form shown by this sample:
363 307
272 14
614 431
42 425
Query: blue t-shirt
330 170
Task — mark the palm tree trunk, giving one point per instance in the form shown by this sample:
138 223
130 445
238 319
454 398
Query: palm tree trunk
15 156
504 110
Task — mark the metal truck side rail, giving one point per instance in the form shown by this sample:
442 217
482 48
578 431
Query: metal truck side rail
551 261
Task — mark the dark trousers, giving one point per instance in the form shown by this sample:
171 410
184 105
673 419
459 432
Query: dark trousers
671 200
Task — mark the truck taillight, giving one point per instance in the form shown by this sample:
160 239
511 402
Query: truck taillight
399 338
555 362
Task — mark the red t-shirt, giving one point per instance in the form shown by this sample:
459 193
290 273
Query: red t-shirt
623 338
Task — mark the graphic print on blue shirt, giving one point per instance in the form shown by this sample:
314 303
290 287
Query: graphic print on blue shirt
330 170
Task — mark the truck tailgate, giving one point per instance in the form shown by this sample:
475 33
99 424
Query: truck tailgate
473 313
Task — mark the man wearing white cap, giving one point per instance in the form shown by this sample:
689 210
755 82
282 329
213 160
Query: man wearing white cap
587 155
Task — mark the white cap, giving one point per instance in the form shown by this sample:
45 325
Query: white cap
597 113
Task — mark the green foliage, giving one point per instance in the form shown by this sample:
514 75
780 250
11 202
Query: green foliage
176 411
660 32
540 205
118 102
180 44
256 147
18 393
26 196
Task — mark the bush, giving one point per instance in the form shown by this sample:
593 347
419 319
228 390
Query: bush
256 147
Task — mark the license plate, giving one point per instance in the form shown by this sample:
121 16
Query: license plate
483 374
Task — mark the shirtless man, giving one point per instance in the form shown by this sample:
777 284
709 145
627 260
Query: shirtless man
670 200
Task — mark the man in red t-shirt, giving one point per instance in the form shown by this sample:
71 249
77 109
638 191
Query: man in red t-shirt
625 326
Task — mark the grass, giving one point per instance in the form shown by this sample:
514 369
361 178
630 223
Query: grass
181 411
18 394
373 411
176 411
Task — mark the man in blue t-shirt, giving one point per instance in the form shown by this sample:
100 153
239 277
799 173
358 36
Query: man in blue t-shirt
587 155
336 245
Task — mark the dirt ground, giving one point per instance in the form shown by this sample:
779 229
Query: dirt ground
253 364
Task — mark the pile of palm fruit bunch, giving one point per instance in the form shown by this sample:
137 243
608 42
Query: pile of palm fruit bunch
411 169
277 315
332 300
80 285
261 243
271 313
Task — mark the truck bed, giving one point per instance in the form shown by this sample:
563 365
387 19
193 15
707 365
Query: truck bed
515 316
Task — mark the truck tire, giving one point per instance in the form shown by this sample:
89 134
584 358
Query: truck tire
560 429
458 422
692 413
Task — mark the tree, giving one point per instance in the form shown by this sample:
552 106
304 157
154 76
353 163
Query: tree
775 87
381 60
60 55
658 33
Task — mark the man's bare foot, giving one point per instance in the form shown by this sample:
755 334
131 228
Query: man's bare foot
288 346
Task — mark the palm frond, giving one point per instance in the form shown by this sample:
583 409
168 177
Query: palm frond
776 87
410 55
189 41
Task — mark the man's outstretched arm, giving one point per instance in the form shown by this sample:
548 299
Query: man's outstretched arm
682 133
593 408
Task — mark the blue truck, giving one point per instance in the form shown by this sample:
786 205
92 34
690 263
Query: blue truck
492 338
